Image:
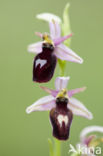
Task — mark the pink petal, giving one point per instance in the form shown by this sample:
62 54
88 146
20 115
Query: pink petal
44 104
75 91
39 34
50 91
36 47
55 31
61 39
79 109
87 140
64 53
90 129
61 83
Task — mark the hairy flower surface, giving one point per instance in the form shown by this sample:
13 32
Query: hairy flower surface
49 49
62 106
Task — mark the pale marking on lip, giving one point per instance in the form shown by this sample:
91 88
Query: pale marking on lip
41 62
62 118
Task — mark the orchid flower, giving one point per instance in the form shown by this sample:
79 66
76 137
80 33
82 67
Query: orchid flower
48 50
89 141
60 50
62 106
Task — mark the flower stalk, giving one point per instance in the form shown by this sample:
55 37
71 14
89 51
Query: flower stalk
62 64
57 147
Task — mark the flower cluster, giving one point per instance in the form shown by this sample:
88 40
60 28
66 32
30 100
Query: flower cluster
60 102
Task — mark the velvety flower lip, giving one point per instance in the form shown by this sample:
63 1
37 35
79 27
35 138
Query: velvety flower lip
90 129
60 50
48 102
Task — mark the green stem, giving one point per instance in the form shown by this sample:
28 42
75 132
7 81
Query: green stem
57 151
51 150
62 65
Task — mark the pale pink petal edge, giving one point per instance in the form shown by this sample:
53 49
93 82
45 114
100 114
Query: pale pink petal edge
44 104
90 129
50 91
75 91
64 53
35 47
79 109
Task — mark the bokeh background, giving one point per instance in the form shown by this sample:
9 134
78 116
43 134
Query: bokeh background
26 135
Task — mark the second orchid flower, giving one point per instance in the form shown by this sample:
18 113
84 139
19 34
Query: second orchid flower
49 50
62 106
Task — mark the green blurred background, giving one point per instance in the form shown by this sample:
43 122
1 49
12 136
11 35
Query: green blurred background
26 135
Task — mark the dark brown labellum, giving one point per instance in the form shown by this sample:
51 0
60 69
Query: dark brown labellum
44 64
61 118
